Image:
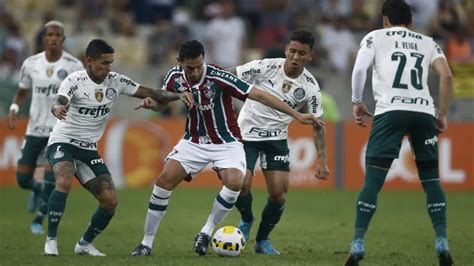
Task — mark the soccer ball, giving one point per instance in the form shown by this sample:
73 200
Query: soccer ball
228 241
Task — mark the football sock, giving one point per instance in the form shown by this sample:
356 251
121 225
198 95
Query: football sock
156 210
99 222
271 214
367 200
27 181
435 200
48 187
56 206
244 206
223 204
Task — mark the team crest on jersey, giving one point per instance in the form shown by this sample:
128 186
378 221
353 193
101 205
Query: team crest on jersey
99 95
299 94
210 93
49 72
111 94
62 74
286 87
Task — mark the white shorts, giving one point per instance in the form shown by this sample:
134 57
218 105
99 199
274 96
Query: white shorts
194 157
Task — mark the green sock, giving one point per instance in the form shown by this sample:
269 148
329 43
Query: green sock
367 200
27 181
435 200
270 216
244 206
48 187
99 222
56 206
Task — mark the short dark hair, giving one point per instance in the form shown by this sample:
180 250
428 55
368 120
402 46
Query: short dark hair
190 50
303 36
398 12
97 47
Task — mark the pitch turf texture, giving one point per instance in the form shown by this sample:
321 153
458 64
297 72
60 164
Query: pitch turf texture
315 229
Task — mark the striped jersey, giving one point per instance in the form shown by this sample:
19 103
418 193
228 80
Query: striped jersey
401 62
212 118
43 79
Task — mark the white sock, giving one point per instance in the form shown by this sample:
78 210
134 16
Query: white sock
223 204
156 210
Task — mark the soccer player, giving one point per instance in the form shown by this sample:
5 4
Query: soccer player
265 131
211 135
83 105
41 73
401 61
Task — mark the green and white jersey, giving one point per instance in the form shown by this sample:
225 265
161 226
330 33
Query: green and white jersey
259 122
90 107
43 79
401 61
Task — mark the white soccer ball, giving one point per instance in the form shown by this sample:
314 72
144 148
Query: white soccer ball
228 241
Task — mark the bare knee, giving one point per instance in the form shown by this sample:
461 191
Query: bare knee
63 171
277 196
109 203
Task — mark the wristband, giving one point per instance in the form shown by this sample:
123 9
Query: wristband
15 108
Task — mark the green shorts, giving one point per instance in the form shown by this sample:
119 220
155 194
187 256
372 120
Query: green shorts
88 163
273 154
388 130
33 151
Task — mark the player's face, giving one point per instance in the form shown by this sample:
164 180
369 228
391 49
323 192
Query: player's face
297 55
193 69
53 38
101 66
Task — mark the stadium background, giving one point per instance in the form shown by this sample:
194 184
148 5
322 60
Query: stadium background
146 35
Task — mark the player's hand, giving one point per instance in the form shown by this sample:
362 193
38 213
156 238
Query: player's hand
60 111
361 115
187 98
322 171
309 119
441 123
147 103
12 120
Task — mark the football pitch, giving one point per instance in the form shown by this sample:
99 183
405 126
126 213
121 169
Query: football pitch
315 229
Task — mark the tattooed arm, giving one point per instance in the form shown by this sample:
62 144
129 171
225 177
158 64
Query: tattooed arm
163 97
60 107
319 136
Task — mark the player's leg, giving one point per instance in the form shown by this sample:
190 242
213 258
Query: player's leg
183 162
48 187
276 166
60 156
424 140
26 166
277 187
244 201
229 162
384 145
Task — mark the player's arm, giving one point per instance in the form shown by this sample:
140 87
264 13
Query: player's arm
359 74
440 66
162 97
60 106
272 101
18 101
319 136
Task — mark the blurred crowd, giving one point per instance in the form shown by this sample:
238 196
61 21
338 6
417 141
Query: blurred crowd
148 32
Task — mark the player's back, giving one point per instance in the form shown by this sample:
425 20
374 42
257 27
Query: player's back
402 59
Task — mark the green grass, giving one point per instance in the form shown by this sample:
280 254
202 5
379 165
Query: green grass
315 229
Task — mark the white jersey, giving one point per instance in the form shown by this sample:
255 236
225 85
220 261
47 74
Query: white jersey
43 78
90 106
401 64
259 122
